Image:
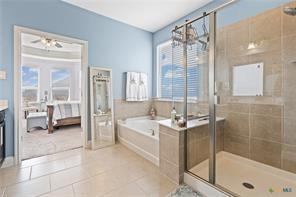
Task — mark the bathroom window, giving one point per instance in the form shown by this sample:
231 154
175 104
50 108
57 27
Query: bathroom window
170 74
60 84
30 85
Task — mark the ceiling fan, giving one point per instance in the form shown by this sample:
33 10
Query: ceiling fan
48 42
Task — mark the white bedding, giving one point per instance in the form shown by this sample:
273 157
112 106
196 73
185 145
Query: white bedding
66 110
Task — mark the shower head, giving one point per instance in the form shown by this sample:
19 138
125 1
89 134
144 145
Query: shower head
290 11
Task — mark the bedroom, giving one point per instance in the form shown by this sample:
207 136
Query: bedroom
51 76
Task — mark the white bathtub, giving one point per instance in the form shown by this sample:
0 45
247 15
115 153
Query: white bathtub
136 134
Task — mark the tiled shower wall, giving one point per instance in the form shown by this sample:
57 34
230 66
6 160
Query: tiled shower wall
260 128
254 131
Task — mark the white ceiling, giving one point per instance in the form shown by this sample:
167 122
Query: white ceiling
69 51
150 15
27 40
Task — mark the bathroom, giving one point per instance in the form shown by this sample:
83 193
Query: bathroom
255 124
200 105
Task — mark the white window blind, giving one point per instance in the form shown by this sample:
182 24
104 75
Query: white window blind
171 72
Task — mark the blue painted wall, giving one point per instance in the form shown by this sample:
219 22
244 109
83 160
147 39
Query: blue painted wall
111 43
238 10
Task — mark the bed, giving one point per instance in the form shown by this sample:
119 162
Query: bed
62 114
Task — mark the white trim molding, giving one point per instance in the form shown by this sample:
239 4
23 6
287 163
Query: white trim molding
17 84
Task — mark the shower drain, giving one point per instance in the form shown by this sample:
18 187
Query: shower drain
248 185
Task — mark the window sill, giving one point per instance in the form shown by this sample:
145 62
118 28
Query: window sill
176 101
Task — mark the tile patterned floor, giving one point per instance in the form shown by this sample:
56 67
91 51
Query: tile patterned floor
112 171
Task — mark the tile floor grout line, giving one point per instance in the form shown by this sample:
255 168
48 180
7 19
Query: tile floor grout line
73 191
30 177
51 160
126 159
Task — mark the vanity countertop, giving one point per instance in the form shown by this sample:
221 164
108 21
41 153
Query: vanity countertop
190 124
3 105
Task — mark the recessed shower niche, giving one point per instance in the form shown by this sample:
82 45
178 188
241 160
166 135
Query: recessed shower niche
102 121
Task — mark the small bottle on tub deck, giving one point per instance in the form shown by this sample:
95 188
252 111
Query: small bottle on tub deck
173 115
152 113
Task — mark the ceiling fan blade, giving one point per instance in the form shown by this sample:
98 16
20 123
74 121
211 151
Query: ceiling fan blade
58 45
36 41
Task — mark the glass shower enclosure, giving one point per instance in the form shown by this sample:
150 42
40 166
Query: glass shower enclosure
244 88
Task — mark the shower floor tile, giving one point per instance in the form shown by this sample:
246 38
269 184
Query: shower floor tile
233 171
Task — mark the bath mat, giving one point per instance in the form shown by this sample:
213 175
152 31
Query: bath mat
185 191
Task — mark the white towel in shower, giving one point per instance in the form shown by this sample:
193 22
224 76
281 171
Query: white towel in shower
132 85
143 87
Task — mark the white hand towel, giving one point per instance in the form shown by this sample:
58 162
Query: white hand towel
143 87
132 83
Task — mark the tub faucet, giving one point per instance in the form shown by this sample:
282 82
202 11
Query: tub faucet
152 132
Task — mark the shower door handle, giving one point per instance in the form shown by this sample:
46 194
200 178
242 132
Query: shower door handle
217 100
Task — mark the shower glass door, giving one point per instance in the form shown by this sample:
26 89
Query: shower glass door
196 59
255 81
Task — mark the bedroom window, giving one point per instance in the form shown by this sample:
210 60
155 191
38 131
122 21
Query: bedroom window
60 84
30 85
170 80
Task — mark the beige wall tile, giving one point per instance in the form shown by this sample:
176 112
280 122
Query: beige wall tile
289 48
290 90
290 131
266 127
237 124
172 153
203 149
288 28
266 25
163 108
168 131
266 152
237 38
124 109
239 107
238 145
268 110
170 170
198 133
289 158
169 148
268 56
198 144
192 152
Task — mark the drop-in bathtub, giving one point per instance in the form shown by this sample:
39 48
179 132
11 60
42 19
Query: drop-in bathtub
137 135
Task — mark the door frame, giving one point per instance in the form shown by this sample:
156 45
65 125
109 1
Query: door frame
18 30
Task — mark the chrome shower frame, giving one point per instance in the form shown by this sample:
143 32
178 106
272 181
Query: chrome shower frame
181 31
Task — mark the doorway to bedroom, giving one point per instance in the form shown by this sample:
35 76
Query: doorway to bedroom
50 92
